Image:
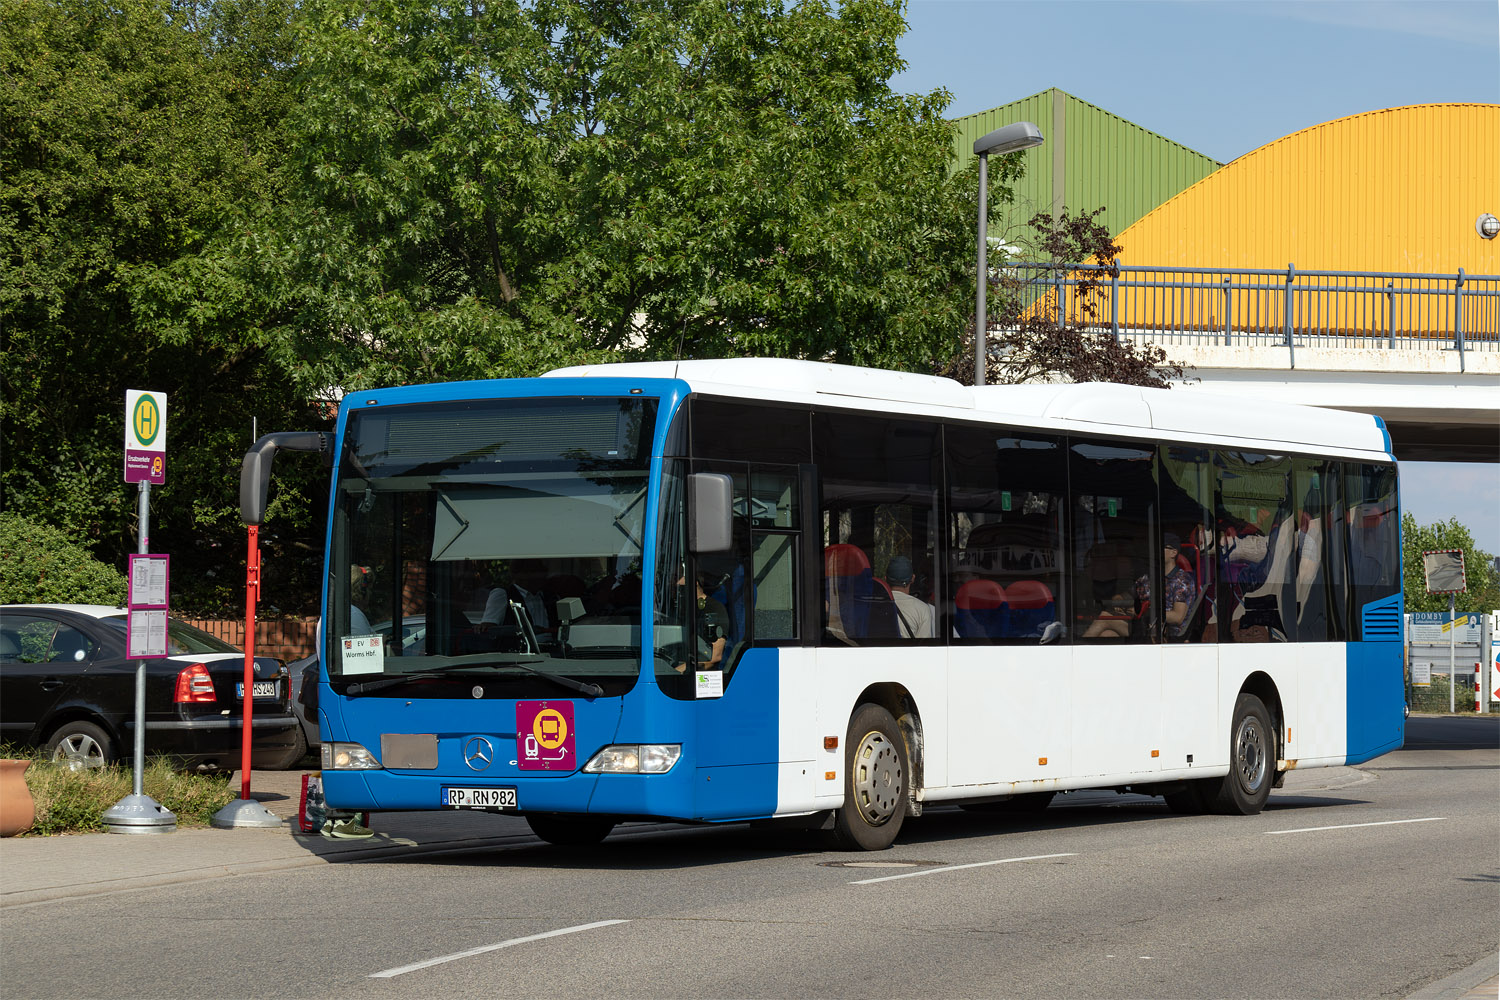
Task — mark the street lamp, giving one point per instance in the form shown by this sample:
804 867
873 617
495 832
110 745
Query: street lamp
1009 139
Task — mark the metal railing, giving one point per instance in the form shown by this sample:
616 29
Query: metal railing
1283 308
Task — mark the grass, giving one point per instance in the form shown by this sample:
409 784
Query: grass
70 801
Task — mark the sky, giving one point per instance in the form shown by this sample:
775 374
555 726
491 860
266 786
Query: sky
1224 78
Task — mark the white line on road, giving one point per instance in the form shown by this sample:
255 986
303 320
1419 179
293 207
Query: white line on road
1352 826
390 973
954 868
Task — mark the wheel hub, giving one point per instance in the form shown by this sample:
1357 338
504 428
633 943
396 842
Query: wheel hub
878 781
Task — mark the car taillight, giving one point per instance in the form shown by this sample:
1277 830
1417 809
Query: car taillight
195 684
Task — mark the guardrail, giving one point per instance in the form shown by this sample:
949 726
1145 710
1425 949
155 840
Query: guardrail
1282 308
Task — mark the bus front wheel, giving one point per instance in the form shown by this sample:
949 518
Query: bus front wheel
1252 761
876 773
569 831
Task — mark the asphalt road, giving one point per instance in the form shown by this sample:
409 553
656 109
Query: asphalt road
1372 885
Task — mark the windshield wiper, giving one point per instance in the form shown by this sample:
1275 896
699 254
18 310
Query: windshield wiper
391 680
562 680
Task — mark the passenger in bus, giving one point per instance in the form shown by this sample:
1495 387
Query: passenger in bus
913 614
1179 595
1114 618
712 623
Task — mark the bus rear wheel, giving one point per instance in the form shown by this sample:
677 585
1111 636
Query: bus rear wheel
569 831
1252 761
876 773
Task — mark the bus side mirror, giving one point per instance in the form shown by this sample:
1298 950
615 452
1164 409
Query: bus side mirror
255 471
710 499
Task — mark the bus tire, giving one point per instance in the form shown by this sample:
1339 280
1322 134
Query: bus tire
876 783
569 831
1252 761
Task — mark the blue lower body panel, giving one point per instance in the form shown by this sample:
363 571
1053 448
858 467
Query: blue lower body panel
1375 696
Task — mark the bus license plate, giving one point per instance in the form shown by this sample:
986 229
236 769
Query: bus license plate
262 689
479 798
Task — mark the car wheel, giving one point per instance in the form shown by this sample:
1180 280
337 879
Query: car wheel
291 757
569 831
80 745
875 783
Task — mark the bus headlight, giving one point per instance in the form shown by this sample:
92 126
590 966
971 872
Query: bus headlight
634 758
348 757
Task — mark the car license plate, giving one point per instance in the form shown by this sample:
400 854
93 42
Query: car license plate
263 689
478 798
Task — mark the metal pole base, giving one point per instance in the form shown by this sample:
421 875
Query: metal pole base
139 814
245 813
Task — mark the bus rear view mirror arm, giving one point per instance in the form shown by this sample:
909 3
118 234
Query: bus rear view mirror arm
255 473
710 497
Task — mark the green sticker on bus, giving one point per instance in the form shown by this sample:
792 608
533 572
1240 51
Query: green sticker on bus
1114 507
1005 499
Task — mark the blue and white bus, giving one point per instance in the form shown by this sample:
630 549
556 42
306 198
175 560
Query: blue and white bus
757 589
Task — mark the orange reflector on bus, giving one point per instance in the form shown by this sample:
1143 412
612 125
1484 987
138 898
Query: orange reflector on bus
1156 753
830 775
1042 761
830 743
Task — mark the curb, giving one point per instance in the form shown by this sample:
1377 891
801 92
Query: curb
1477 981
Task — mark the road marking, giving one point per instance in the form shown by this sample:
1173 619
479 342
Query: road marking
391 973
1352 826
954 868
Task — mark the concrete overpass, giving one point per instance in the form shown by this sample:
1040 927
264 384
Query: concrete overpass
1420 350
1435 413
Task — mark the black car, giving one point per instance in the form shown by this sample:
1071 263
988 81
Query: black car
66 685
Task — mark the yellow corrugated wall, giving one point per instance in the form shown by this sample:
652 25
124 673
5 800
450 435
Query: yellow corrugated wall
1397 190
1391 190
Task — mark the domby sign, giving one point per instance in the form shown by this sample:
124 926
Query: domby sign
145 436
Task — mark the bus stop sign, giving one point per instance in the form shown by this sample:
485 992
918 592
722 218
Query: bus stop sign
145 437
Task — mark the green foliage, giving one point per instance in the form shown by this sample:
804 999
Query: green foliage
142 142
69 801
41 565
498 189
1484 589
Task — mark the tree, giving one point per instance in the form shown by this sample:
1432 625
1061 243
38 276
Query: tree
1041 339
1479 567
492 190
41 565
140 141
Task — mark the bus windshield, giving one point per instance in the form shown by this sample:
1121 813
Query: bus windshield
495 546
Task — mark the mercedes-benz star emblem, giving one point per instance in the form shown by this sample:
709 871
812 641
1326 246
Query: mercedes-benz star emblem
478 753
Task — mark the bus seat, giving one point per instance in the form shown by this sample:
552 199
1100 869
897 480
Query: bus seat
1030 608
850 585
981 610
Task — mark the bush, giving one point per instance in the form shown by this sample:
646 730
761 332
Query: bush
41 565
69 801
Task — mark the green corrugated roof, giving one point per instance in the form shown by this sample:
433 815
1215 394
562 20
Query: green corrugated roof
1091 158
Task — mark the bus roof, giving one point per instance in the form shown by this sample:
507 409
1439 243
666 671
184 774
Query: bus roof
1101 406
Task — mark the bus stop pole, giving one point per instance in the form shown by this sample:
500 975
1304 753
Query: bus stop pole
1452 677
139 812
252 595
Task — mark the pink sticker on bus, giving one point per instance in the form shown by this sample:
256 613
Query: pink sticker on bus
544 736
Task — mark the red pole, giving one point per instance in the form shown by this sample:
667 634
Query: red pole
252 591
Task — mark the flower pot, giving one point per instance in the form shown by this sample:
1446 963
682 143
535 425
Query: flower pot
16 808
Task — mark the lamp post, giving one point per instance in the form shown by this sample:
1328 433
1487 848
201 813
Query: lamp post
1008 139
